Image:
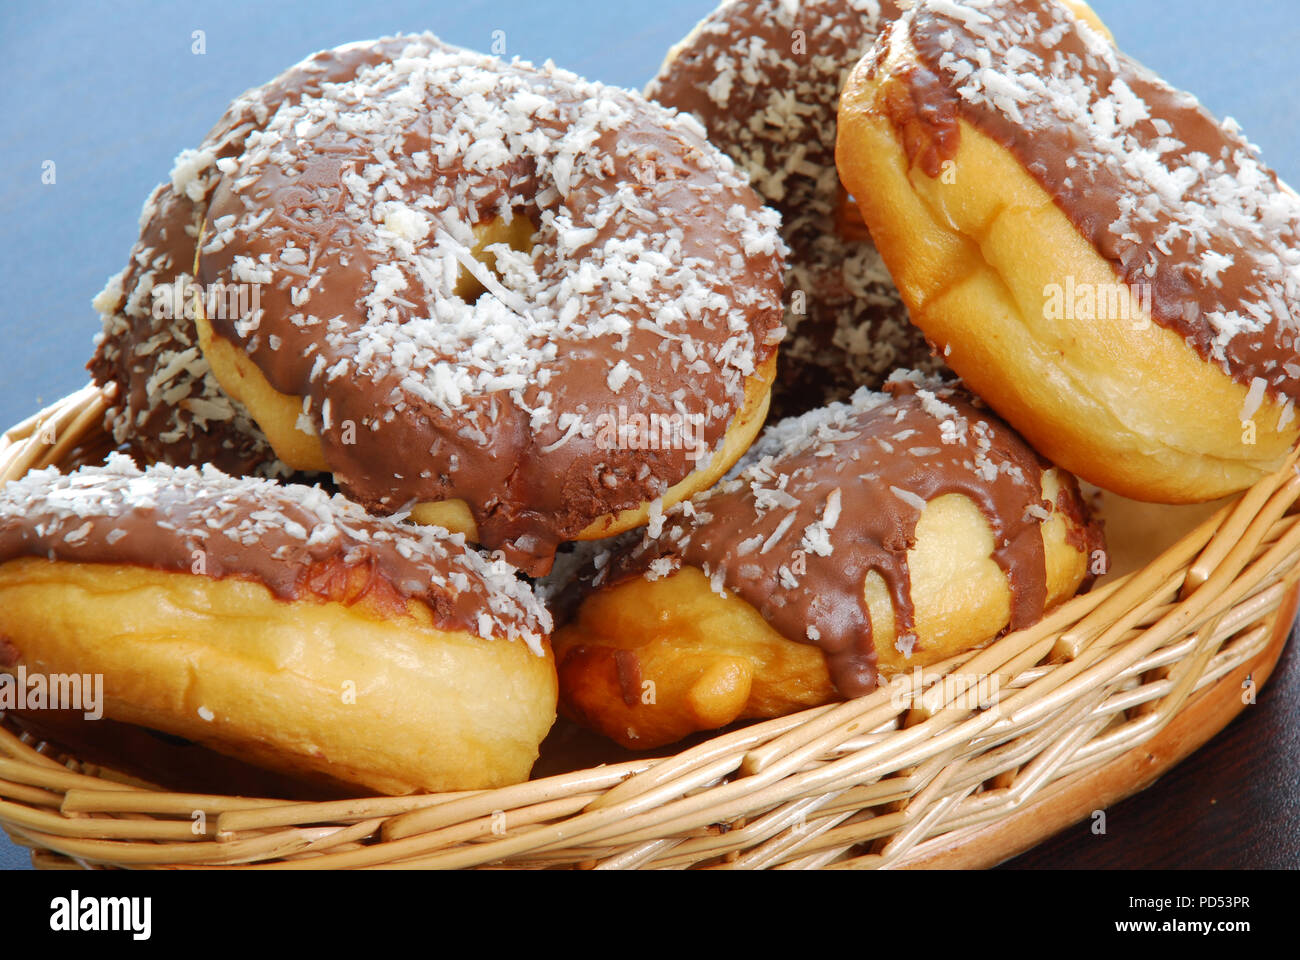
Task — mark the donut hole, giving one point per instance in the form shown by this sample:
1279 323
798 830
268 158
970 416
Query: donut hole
518 235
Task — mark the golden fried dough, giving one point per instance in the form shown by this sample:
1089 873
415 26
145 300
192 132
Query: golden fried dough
651 656
392 704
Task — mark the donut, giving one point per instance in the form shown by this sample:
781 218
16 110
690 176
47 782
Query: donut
168 407
764 77
1114 270
277 624
851 544
475 276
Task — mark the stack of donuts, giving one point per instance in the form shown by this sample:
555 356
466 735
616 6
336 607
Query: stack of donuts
441 383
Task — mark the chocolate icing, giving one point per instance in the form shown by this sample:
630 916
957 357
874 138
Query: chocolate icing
764 77
837 494
296 540
1166 194
169 407
653 285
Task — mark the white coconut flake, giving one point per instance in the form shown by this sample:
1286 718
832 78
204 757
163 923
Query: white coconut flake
909 498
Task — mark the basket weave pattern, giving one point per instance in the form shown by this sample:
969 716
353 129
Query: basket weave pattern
874 782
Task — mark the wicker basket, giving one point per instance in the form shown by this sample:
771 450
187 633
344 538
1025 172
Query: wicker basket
1091 704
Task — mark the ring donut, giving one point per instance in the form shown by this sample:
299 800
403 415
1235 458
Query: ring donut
1110 267
852 544
277 624
472 274
764 77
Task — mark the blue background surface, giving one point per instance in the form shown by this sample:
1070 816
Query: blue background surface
111 93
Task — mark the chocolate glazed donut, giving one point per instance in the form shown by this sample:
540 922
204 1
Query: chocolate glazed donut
467 269
277 624
764 77
1113 269
854 542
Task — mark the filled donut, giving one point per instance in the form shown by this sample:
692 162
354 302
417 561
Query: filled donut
851 544
529 307
168 406
764 77
277 624
1111 268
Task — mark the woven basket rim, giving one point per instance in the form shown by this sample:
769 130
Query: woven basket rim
864 783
